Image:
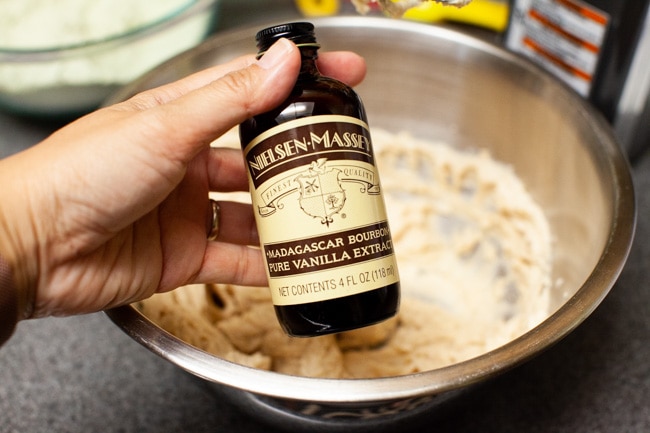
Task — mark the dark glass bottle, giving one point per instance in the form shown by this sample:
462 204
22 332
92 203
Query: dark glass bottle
318 203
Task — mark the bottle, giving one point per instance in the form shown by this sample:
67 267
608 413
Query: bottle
317 200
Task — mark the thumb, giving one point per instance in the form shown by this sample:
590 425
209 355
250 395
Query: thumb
204 114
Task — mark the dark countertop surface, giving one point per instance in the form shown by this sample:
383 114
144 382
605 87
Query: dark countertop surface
83 374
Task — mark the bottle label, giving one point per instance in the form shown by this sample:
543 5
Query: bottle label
564 36
319 210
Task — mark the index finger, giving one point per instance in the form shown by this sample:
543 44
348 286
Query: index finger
345 66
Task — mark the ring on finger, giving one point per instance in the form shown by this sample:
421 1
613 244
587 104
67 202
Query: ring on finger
213 234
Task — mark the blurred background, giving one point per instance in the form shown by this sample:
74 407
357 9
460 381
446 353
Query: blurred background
600 48
59 60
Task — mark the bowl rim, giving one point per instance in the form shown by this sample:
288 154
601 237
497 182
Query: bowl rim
555 327
46 53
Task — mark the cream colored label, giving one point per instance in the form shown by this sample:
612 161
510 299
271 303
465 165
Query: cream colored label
319 210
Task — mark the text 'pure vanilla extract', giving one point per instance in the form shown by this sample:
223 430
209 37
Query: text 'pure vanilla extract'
318 204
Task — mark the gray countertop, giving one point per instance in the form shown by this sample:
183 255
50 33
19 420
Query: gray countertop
83 374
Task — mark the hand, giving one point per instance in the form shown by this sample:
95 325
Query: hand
113 207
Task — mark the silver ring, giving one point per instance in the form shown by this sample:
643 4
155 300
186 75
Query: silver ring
216 216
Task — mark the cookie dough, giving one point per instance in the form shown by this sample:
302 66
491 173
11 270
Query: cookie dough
474 252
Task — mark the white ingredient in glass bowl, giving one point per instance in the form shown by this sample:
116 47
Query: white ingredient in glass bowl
41 24
45 24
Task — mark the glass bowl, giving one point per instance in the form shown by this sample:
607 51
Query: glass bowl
68 68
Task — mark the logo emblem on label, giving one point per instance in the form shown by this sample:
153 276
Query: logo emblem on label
321 193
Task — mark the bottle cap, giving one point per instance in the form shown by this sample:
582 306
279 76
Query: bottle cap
300 33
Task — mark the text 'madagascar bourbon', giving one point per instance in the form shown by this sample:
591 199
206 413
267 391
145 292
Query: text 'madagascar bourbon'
319 174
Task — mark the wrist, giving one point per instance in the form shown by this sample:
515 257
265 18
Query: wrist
9 309
17 244
14 279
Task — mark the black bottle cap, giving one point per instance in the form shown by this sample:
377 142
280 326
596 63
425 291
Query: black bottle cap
300 33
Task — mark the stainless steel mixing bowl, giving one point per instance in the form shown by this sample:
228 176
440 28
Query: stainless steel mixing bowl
443 85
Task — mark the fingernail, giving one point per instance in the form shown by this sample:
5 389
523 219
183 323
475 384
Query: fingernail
276 54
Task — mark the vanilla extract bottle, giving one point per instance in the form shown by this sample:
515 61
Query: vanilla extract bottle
317 200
